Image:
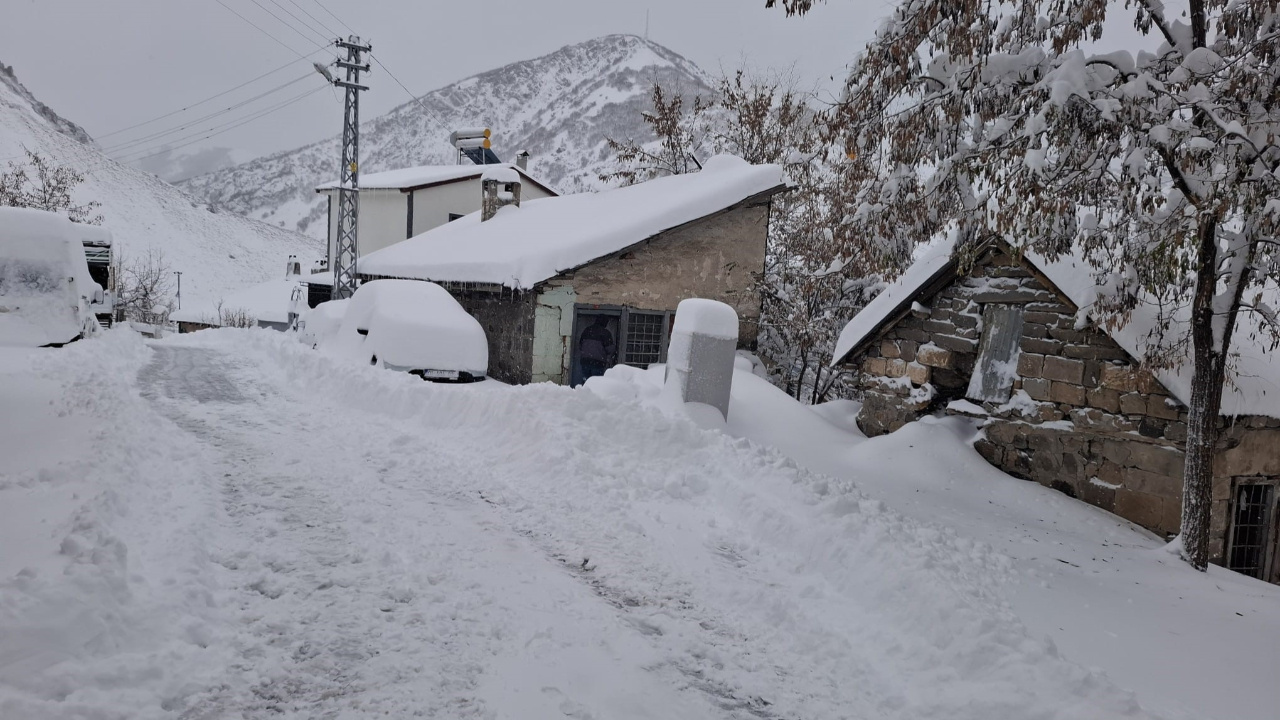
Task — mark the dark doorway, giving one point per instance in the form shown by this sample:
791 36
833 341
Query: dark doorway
635 337
595 343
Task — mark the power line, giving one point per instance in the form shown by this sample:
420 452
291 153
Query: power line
284 22
201 102
259 28
415 98
325 36
220 128
335 17
324 27
210 116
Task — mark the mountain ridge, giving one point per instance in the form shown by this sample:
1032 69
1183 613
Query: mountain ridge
216 252
560 106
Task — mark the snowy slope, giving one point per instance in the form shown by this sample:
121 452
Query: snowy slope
214 251
561 107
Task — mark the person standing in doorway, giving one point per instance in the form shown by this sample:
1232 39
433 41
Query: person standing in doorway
595 348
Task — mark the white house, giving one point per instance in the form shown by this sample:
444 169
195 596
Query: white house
399 204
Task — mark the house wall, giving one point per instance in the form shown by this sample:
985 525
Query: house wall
717 257
508 321
383 218
431 206
1084 418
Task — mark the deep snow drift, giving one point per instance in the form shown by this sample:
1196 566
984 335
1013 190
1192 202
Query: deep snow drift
234 525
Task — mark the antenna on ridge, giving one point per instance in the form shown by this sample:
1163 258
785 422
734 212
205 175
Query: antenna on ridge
646 25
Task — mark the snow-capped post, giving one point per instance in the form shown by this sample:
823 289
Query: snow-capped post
701 354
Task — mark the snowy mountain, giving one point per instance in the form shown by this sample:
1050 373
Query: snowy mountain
215 251
560 107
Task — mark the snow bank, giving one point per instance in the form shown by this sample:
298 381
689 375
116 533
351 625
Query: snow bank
45 286
322 322
109 604
749 577
523 246
409 324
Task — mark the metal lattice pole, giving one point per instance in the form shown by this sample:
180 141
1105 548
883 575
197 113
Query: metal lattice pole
346 248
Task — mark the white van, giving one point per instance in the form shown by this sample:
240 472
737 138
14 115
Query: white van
47 296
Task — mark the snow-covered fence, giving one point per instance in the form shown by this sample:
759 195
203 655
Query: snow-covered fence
701 354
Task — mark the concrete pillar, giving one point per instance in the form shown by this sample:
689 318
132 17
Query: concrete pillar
701 354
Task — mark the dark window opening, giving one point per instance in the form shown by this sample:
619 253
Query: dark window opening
1251 534
644 339
454 216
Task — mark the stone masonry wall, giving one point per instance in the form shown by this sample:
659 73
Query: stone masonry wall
507 319
1083 418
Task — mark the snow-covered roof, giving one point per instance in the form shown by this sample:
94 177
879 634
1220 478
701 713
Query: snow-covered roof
265 302
1254 382
522 246
415 177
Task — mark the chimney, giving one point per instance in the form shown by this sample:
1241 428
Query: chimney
522 160
500 186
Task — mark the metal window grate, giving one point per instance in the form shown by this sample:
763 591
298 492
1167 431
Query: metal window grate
644 339
1250 530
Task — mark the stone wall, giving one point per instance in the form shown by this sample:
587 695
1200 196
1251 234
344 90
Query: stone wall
507 319
1083 417
718 257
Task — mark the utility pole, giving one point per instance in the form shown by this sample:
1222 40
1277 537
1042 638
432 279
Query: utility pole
346 248
179 274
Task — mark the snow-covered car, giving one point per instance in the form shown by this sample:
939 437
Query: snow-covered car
47 296
321 322
411 326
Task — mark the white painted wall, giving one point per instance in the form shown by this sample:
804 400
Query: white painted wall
384 213
383 220
431 206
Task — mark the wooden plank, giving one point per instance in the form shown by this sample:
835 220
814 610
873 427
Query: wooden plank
998 353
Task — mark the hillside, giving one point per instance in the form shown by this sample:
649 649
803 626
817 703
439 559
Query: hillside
561 107
215 251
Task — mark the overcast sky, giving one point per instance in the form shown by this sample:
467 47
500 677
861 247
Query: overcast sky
108 64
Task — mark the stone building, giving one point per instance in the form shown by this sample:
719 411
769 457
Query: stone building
537 274
1062 402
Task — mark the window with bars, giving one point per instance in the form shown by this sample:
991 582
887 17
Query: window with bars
644 339
1251 530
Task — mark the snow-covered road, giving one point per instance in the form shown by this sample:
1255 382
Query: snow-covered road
263 532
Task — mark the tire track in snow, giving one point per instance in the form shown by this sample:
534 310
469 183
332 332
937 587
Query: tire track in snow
326 627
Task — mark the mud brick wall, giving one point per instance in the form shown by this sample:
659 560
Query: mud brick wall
1083 418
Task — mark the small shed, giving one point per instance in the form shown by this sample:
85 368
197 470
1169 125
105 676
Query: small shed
1007 338
610 267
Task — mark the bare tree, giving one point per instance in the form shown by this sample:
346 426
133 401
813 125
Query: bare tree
1160 166
810 283
144 291
682 134
42 185
235 317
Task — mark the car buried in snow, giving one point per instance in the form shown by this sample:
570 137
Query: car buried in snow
404 325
